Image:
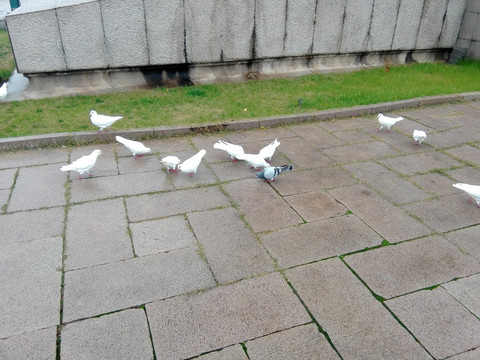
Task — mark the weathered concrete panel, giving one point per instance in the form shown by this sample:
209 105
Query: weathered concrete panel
269 28
165 31
408 22
358 15
299 27
203 26
125 35
237 35
328 26
431 24
82 36
384 19
452 23
36 42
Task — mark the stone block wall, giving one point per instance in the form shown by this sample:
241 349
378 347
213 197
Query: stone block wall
469 36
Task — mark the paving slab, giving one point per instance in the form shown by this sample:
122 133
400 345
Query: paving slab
394 187
154 236
203 176
387 220
358 325
469 355
315 205
264 210
30 225
34 345
353 136
229 170
466 174
466 153
128 165
399 269
438 321
21 158
147 207
302 342
349 124
122 335
319 240
466 240
436 124
314 134
101 289
97 234
325 177
231 249
267 135
434 183
303 154
466 291
419 163
48 191
6 178
428 112
109 186
454 137
360 152
446 213
223 316
4 195
30 278
234 352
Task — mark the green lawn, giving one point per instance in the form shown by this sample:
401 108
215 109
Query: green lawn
7 64
228 102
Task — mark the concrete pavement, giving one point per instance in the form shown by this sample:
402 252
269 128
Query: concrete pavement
364 251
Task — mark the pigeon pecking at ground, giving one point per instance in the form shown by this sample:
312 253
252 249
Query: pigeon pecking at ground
191 164
268 151
103 121
419 136
256 161
270 173
171 162
388 122
136 147
472 190
83 165
232 149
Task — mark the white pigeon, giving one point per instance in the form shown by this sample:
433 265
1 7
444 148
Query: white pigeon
83 165
419 136
171 163
3 91
103 121
191 164
472 190
270 173
256 161
136 147
388 122
268 151
232 149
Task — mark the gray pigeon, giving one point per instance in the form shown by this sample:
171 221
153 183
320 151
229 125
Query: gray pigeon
271 172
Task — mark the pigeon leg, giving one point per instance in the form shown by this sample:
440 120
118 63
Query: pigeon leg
80 177
91 175
191 174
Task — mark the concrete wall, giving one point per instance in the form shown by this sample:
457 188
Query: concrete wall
469 36
59 36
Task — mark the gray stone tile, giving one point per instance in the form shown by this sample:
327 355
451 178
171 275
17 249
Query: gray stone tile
315 205
102 289
206 142
359 152
97 234
303 342
168 145
229 170
399 269
106 163
453 137
120 185
14 159
234 352
326 177
467 291
35 345
48 191
319 240
348 124
30 279
122 335
4 194
30 225
353 136
203 176
441 123
438 321
154 236
358 325
466 153
419 163
388 221
446 213
6 178
243 137
428 112
146 207
469 355
223 316
128 165
264 209
231 249
466 174
304 155
316 136
466 240
435 183
394 188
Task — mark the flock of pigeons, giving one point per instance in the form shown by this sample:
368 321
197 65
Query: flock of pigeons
260 161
